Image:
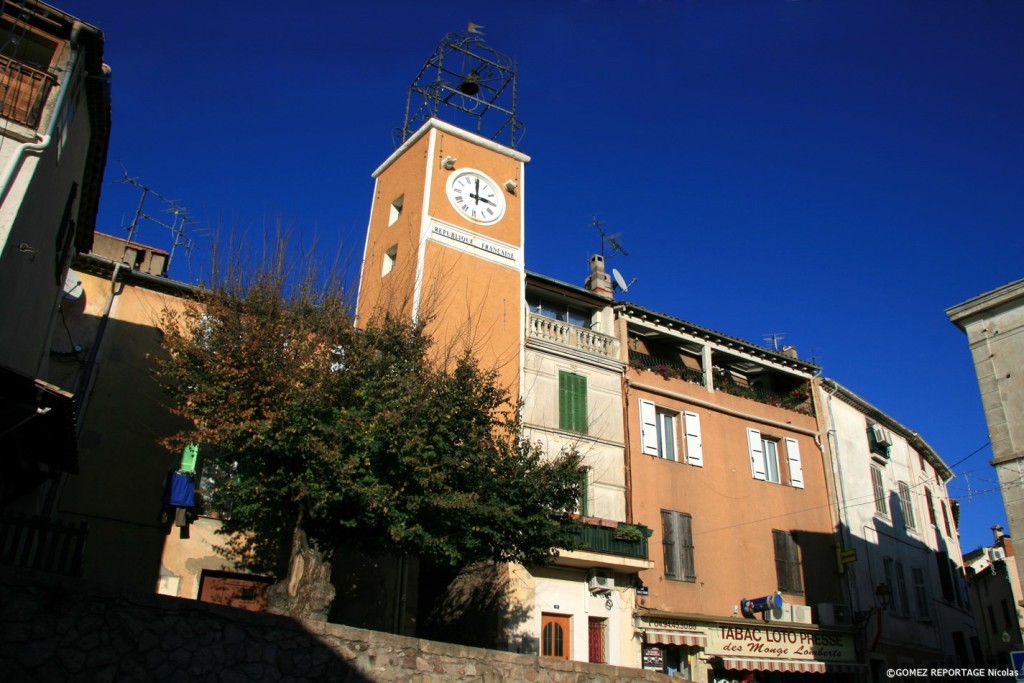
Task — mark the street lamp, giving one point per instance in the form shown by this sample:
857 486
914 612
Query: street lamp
883 596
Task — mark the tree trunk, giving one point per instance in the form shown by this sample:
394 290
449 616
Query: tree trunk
307 591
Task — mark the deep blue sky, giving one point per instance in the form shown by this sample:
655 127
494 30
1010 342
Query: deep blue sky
839 171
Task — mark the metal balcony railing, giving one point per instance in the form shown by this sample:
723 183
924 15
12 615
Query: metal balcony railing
625 540
664 367
798 400
42 544
23 91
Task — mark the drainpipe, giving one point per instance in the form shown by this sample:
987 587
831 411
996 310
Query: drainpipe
44 142
82 388
833 442
627 451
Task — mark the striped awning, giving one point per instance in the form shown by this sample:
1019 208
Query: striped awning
789 665
654 636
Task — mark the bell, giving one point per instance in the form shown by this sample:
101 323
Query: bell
471 85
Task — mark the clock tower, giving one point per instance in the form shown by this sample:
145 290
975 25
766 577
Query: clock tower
444 242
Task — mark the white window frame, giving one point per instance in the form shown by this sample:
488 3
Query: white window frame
759 456
772 471
659 427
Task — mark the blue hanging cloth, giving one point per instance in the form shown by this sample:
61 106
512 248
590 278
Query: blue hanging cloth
180 490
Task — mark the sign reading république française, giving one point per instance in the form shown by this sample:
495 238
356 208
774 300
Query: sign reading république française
480 246
758 641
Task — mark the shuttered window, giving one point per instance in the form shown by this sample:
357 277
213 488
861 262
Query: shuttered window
921 593
658 434
756 454
787 562
694 447
584 494
796 468
572 402
907 506
878 482
677 540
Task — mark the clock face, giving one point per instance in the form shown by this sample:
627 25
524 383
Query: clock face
476 196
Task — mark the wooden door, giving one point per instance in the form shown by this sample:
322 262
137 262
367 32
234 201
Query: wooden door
555 636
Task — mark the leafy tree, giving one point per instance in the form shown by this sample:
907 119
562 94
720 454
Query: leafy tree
367 439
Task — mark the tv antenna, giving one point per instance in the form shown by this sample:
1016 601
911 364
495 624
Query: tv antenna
774 338
610 241
179 221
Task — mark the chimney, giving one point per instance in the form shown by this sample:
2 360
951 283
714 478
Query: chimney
599 282
790 352
997 533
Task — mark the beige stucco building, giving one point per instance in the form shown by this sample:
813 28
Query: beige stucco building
994 325
996 594
55 106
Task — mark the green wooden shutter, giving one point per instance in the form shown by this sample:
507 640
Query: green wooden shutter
572 402
584 498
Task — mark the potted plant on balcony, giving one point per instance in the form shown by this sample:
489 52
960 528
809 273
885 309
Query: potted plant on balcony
630 533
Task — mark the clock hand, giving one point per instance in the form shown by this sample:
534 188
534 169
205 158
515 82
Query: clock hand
479 199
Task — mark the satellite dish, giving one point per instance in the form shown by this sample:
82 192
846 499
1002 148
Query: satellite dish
620 281
72 288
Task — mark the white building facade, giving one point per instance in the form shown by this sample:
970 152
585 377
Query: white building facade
572 399
898 545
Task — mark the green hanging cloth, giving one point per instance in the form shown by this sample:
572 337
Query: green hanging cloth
189 457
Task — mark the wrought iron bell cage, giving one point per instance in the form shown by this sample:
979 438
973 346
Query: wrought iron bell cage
468 84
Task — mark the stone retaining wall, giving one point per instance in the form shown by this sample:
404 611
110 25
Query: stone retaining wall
60 629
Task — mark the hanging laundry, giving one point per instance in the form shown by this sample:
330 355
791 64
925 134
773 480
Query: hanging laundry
189 456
